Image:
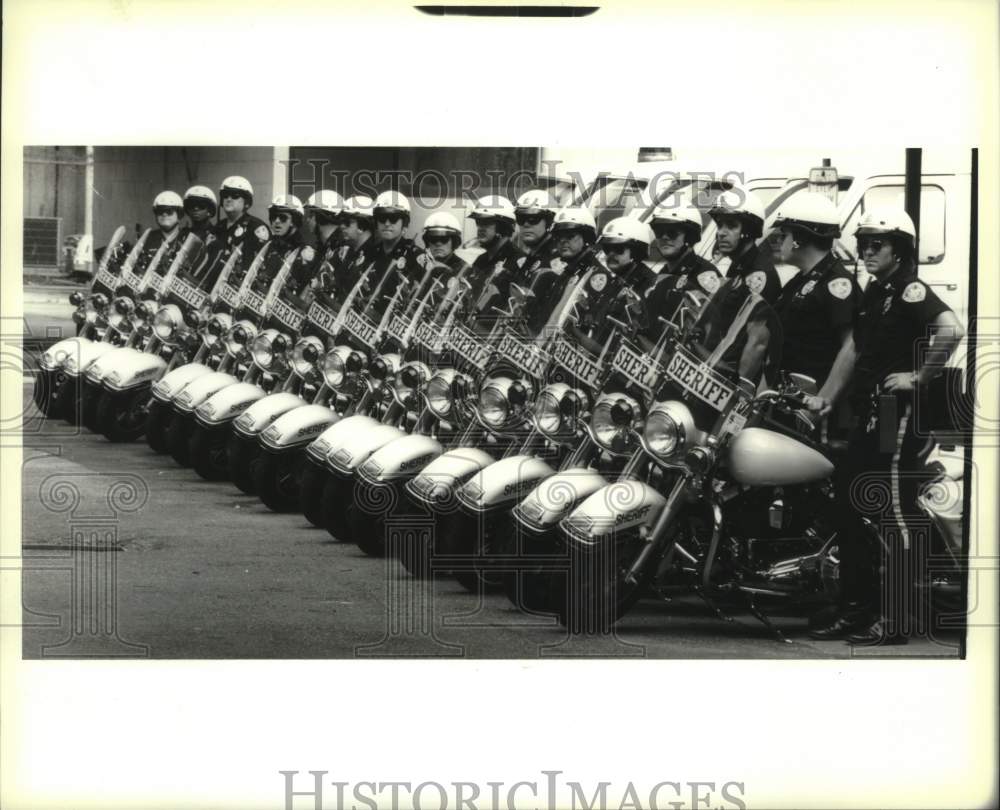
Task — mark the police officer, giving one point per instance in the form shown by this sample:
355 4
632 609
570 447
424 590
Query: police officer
168 208
819 304
357 245
322 211
739 218
534 214
492 269
236 227
677 229
879 369
200 206
393 259
441 235
287 216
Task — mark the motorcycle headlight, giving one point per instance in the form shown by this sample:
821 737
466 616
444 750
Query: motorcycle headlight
305 354
76 298
439 392
167 322
194 319
239 337
662 434
99 301
384 366
613 422
408 381
216 328
502 400
546 411
266 349
121 311
145 311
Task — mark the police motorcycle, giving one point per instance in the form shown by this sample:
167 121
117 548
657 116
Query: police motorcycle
128 377
264 329
127 326
90 318
728 497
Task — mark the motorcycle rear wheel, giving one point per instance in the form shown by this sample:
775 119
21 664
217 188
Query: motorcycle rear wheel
208 451
157 421
276 479
121 417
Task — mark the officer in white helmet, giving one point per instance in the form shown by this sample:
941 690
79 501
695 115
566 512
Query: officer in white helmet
168 208
534 214
677 227
287 217
323 210
200 206
819 305
393 259
739 218
442 235
881 371
492 269
236 227
357 246
618 289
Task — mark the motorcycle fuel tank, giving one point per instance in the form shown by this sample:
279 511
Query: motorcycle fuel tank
759 457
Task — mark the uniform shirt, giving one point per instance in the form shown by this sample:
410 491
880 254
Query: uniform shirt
669 288
491 276
755 268
528 267
279 249
814 307
894 316
248 231
450 271
604 296
554 286
388 269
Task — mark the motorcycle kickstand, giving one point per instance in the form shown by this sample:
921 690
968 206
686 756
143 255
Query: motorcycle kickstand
762 618
719 614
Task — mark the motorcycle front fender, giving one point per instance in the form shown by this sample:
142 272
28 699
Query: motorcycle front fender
297 427
174 381
259 414
56 355
132 370
357 445
503 482
402 458
333 436
79 362
202 389
438 482
613 508
556 496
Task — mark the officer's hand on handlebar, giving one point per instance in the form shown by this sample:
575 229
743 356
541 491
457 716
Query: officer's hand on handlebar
817 405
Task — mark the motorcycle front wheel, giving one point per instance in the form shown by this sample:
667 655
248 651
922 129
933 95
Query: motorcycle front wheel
66 400
276 479
311 485
47 384
243 453
157 421
209 453
470 537
597 595
532 584
335 501
90 397
121 417
178 437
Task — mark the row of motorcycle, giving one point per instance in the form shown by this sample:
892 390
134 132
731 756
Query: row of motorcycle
464 445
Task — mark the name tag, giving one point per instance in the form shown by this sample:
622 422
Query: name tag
188 293
229 295
637 367
700 380
287 315
577 362
254 301
470 347
526 355
322 317
360 327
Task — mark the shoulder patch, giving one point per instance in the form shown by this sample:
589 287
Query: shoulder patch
914 293
709 280
839 288
308 254
422 259
262 233
238 230
756 281
520 261
598 281
558 265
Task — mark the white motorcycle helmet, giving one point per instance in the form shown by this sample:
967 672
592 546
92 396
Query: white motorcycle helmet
359 207
289 204
169 199
240 185
634 233
327 200
745 206
201 194
441 223
392 202
573 218
892 222
687 217
536 201
810 213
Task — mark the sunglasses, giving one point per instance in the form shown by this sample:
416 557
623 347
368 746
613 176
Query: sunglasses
392 219
160 210
873 245
529 219
230 195
614 247
281 218
437 240
667 231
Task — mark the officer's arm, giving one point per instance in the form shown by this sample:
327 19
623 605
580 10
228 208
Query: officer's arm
582 340
843 367
947 333
758 336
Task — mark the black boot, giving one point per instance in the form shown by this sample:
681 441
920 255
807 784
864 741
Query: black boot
877 635
851 619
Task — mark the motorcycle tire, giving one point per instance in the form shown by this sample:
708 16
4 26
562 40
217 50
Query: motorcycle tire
90 397
121 417
597 595
464 535
367 530
335 502
276 479
532 586
209 453
243 453
157 421
47 384
66 401
178 438
311 486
